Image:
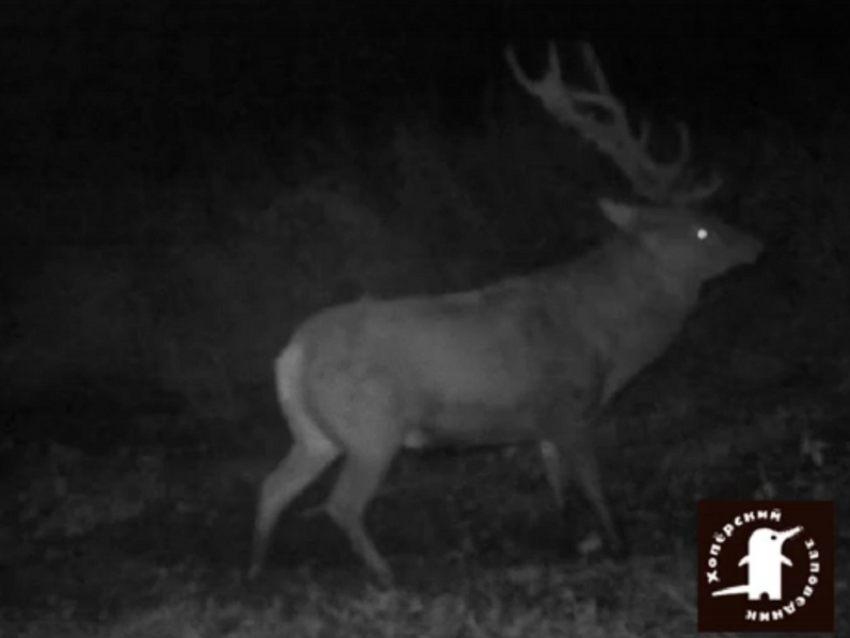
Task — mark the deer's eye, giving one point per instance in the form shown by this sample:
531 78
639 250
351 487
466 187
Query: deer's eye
702 233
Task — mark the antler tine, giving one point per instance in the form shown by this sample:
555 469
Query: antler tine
554 62
591 61
548 88
666 174
562 102
614 137
698 193
681 189
671 177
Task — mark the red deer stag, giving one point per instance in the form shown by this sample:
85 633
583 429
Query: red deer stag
526 359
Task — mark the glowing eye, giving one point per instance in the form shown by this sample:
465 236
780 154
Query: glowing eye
702 234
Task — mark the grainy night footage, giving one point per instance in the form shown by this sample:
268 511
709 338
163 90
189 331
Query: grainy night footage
414 319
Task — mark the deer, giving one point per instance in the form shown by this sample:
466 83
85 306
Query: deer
530 359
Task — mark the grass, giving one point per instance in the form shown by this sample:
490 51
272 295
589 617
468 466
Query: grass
142 542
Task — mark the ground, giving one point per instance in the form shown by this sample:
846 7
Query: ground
129 543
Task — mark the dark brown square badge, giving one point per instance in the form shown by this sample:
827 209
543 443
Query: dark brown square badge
766 566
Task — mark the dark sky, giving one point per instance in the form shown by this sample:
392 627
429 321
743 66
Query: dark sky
44 41
715 59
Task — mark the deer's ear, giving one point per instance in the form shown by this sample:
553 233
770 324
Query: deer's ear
624 216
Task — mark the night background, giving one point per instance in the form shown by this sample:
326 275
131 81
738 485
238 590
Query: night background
183 183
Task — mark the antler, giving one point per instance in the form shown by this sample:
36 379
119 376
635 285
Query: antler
658 182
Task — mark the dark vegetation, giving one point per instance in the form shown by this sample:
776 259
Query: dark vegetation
181 188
